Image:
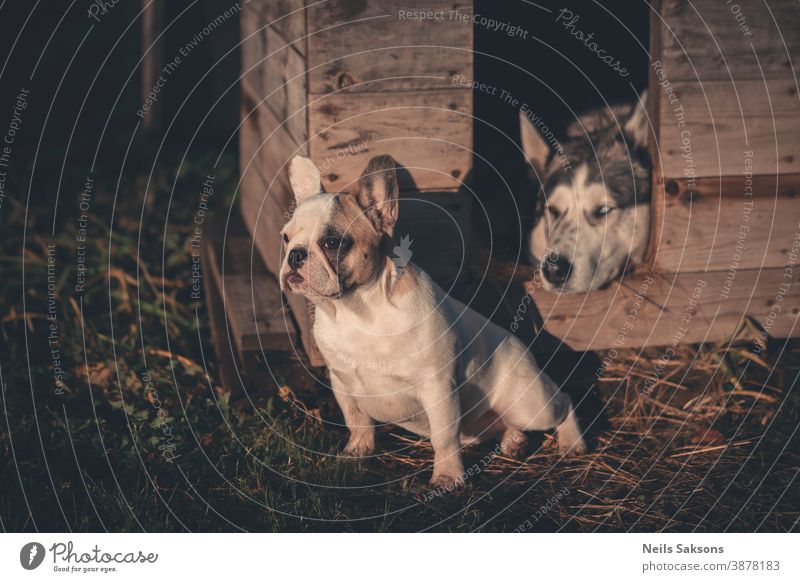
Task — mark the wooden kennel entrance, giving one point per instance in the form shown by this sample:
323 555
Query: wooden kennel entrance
725 229
342 81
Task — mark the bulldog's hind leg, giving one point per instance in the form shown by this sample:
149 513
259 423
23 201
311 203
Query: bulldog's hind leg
570 438
514 444
543 408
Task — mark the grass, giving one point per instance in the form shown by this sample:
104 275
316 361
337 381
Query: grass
145 437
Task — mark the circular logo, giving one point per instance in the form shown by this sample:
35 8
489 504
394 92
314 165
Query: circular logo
31 555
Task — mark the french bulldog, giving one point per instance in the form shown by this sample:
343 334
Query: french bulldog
398 348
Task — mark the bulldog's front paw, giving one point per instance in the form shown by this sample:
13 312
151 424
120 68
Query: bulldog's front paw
446 483
359 448
572 448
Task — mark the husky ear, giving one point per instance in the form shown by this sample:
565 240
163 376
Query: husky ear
304 178
637 127
378 193
536 149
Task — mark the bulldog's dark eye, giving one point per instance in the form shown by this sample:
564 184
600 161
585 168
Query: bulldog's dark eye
285 238
555 214
602 211
331 243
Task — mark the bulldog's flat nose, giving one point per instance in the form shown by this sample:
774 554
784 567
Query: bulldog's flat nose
297 257
556 270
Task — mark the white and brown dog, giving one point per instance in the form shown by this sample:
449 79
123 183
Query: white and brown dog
593 205
398 348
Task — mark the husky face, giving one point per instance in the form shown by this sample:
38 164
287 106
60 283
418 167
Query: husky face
593 206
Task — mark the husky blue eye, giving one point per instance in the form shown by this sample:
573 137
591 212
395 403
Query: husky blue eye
602 211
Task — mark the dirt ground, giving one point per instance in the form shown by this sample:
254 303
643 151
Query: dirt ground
137 433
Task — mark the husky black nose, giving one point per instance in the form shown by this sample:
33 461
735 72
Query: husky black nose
297 257
556 270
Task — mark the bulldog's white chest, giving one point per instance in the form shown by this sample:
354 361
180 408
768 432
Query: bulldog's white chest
379 365
368 350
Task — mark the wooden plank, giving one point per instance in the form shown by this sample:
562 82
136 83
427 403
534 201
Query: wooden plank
656 309
153 57
251 297
220 332
720 222
274 71
284 105
428 132
264 218
266 202
720 132
254 106
707 40
654 112
283 86
286 17
390 69
253 47
355 42
266 140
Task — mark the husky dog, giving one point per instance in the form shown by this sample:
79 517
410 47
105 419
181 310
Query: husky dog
593 206
398 348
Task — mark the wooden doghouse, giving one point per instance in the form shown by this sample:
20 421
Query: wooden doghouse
725 231
342 81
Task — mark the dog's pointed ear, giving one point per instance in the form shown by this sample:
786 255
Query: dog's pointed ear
637 126
304 178
378 193
536 149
